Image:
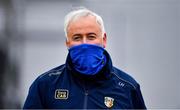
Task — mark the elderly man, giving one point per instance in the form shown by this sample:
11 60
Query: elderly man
87 80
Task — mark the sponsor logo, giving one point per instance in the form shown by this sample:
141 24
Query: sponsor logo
61 94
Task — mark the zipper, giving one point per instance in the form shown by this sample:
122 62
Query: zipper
85 99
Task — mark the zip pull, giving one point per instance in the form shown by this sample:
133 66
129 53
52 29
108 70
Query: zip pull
86 93
85 99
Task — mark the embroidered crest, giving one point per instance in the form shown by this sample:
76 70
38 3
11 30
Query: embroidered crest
61 94
108 101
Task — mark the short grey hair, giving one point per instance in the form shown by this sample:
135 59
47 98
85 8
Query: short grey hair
81 12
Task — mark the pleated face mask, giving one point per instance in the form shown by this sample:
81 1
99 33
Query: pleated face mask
87 59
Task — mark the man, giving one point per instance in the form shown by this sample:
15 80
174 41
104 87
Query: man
88 79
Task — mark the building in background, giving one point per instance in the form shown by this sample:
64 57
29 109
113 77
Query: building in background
10 41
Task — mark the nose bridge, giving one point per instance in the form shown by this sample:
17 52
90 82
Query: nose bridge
84 40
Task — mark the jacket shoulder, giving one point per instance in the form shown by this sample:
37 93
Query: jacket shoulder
121 75
51 74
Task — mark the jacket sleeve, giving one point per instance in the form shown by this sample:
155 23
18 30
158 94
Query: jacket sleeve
137 99
33 100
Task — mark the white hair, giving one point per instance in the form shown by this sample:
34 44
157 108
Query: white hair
82 12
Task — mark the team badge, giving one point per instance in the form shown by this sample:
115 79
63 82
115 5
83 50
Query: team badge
108 101
61 94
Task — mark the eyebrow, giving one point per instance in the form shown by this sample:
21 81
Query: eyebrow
91 33
86 34
76 35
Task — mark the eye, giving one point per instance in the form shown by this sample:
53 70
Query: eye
76 38
91 37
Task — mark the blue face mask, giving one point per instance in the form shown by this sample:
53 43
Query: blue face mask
87 59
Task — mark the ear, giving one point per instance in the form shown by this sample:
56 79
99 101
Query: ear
67 43
104 40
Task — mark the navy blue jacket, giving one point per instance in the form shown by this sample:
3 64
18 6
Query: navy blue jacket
65 88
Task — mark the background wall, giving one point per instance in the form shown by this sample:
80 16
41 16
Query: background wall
143 40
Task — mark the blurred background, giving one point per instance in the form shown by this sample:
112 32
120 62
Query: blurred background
143 40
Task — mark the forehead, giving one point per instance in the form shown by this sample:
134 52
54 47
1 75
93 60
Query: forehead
83 21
